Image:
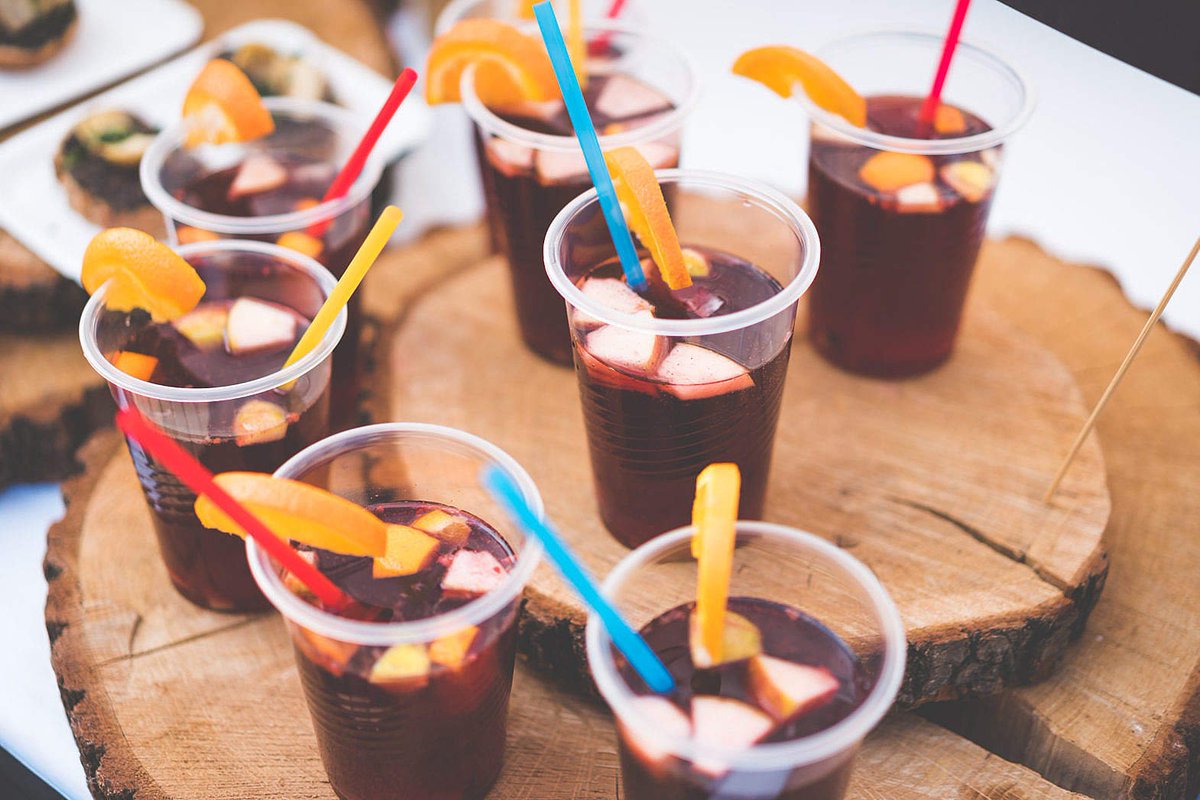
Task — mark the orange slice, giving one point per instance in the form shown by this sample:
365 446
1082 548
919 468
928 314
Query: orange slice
302 242
298 511
888 171
714 515
511 66
408 552
189 235
780 68
138 365
451 650
145 273
949 120
646 212
223 106
525 9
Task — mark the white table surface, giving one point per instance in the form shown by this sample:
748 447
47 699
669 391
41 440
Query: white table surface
1106 172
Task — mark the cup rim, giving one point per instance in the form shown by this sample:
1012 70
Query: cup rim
902 144
423 630
177 210
775 201
822 745
183 394
667 124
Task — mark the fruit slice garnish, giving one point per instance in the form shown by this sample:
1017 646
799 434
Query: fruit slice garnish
646 212
408 552
144 272
714 515
511 66
740 640
298 511
780 68
138 365
888 171
223 106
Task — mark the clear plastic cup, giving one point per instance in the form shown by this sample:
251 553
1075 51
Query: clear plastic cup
308 132
649 436
778 564
593 11
438 737
898 261
207 566
528 176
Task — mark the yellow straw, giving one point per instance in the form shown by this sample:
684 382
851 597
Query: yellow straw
576 44
372 246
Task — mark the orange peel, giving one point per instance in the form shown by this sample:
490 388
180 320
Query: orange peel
780 68
887 171
222 106
714 516
510 66
646 212
142 272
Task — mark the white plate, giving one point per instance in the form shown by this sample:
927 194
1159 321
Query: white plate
34 207
112 40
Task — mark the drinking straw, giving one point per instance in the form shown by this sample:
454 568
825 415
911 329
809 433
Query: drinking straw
930 106
193 475
585 131
634 647
599 45
371 247
358 159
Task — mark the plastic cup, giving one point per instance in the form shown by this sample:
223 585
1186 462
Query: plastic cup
593 11
898 265
528 176
443 737
782 565
310 130
648 438
208 567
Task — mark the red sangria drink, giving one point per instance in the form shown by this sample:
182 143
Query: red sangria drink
813 657
902 205
270 189
213 380
408 685
639 91
673 380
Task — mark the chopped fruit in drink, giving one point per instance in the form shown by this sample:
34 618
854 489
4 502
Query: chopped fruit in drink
544 111
257 325
223 106
295 510
332 654
613 128
610 376
525 8
727 723
785 689
138 365
971 179
294 584
403 666
259 422
948 120
258 173
510 158
919 198
144 273
302 242
511 66
305 203
697 265
624 98
692 372
472 573
630 350
204 327
445 526
887 171
646 212
740 640
611 293
667 721
780 68
561 166
451 650
189 235
408 552
700 301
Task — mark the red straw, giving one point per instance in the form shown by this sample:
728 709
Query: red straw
930 106
358 159
200 480
599 45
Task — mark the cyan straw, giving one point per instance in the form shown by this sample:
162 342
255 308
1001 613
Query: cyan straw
585 131
639 654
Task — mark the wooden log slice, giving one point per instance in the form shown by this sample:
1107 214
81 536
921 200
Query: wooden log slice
935 483
169 701
34 298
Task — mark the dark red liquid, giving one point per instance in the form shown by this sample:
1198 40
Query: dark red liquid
648 443
207 566
889 296
306 150
441 737
788 634
525 189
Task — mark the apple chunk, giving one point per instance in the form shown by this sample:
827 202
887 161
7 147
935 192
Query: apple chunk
668 721
625 349
403 666
258 173
728 723
740 640
471 573
611 293
691 372
408 552
786 689
257 325
445 526
451 650
204 327
259 422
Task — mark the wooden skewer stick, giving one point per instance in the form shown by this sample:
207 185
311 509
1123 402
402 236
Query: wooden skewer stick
1112 385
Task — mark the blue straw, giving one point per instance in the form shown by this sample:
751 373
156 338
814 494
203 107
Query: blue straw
585 131
640 656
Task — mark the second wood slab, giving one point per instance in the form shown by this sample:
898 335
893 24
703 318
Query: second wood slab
935 483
